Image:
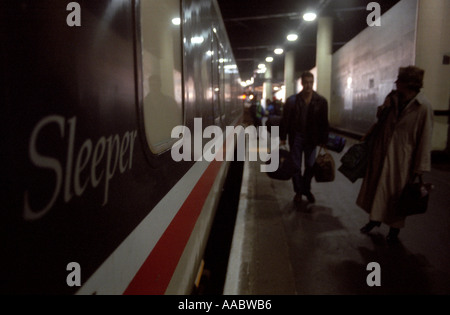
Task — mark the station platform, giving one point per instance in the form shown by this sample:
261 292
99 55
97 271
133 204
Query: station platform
283 248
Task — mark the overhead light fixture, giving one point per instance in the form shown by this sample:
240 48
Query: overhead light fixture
197 40
261 68
269 59
310 16
292 37
176 21
278 51
247 83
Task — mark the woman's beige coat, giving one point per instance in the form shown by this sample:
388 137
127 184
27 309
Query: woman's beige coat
402 148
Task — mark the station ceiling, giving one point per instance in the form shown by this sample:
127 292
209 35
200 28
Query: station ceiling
256 27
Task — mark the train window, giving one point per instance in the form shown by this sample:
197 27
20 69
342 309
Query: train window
161 71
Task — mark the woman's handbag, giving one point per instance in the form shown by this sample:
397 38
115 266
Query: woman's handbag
324 167
354 161
414 197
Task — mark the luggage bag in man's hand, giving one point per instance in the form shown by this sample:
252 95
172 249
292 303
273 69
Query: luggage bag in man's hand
286 168
324 167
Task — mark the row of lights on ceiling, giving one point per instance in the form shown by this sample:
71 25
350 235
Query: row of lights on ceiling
309 17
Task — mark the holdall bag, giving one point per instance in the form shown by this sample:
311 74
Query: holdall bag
414 197
324 167
286 168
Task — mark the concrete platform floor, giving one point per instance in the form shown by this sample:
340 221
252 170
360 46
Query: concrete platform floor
280 248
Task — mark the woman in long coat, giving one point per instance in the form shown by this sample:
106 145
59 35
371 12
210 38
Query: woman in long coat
400 150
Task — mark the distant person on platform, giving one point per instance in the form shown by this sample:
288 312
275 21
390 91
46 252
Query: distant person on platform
401 150
273 113
277 106
256 112
305 123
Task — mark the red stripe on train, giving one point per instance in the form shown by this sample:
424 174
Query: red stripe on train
156 272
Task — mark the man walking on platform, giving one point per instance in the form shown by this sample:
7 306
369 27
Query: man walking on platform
305 123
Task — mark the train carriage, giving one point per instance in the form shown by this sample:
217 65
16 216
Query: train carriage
91 91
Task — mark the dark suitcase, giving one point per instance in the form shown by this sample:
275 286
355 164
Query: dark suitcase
335 142
286 168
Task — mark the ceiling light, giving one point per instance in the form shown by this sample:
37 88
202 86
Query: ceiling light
176 21
292 37
310 16
269 59
278 51
197 40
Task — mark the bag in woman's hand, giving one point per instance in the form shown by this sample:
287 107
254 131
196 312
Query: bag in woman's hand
414 197
354 161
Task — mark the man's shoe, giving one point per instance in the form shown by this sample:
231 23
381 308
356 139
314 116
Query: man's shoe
369 226
310 197
298 198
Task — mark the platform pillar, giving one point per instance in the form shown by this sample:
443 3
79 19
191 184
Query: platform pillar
324 56
432 45
289 73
